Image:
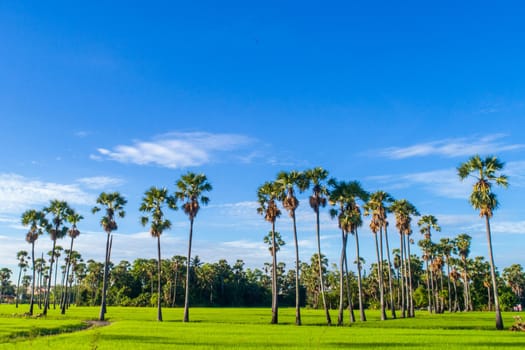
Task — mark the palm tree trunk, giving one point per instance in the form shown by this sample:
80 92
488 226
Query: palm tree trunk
489 301
297 285
48 290
410 289
55 286
381 258
159 271
429 293
18 286
340 316
391 290
455 297
275 304
348 284
380 281
358 259
499 319
465 284
104 281
402 277
187 292
68 264
433 290
448 285
321 282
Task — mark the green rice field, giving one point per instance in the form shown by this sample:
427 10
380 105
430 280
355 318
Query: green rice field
248 328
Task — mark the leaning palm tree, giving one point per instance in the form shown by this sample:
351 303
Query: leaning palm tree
191 187
114 206
403 211
37 222
22 265
267 196
73 218
344 195
59 211
426 223
316 178
290 181
486 172
152 203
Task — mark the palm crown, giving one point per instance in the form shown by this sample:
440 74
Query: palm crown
114 204
485 172
191 187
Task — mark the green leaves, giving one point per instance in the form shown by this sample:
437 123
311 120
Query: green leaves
486 172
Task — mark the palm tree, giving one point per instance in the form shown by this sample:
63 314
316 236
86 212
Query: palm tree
403 211
59 211
56 254
446 247
73 218
191 187
267 195
462 246
114 205
426 223
37 222
344 194
22 264
316 177
376 207
289 182
152 203
486 172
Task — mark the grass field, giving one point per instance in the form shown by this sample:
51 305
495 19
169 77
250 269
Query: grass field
217 328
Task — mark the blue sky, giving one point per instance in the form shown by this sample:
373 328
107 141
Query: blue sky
101 97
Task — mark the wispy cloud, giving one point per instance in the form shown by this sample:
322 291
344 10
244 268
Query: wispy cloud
100 182
444 183
17 193
450 148
177 149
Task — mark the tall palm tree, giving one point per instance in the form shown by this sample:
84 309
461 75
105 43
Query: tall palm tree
403 211
267 196
446 247
56 254
344 195
376 207
74 218
486 172
152 203
113 203
316 178
59 211
426 223
191 188
462 246
290 181
22 265
37 222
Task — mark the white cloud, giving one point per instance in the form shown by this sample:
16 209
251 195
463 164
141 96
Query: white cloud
18 193
450 148
444 183
100 182
175 150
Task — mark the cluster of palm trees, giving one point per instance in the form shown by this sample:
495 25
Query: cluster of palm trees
54 218
347 199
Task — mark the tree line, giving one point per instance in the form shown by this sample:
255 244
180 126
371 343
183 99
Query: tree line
397 280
